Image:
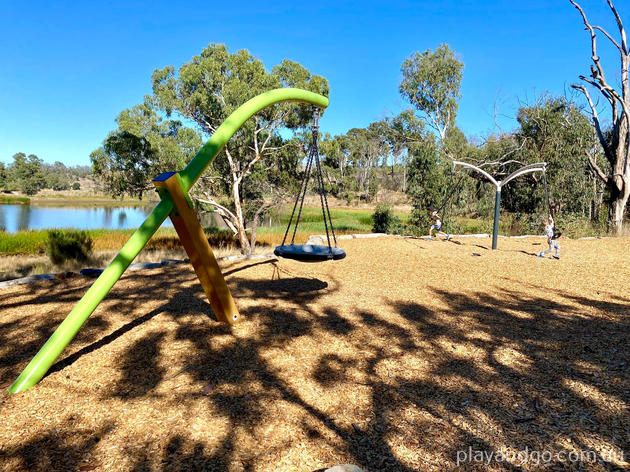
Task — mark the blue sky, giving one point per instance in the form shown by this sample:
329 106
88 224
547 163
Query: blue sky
68 68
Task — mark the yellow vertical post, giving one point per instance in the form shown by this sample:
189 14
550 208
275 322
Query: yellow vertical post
196 245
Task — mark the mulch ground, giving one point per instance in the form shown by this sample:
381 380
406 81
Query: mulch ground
407 355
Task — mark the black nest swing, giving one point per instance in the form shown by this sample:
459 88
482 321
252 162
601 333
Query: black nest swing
311 252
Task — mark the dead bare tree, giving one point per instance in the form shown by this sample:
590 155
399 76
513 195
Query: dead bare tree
616 143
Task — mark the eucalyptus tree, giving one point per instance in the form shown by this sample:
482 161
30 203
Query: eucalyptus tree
124 164
335 154
57 176
616 142
402 132
431 82
555 131
3 175
210 87
366 148
500 155
427 180
27 172
416 148
143 146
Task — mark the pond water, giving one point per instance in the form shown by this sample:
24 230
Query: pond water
15 218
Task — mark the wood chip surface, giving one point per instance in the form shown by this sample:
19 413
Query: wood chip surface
404 356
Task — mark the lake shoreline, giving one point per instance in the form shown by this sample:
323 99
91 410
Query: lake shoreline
75 198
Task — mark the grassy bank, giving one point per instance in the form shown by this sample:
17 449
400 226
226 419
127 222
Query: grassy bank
34 242
12 200
345 220
311 222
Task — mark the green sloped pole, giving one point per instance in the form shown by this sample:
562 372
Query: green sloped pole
66 331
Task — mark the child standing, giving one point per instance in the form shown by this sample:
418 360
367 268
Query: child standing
551 239
437 226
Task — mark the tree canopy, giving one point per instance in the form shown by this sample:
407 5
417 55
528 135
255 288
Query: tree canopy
431 82
152 138
143 146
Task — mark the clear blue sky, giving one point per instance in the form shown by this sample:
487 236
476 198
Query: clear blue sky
68 68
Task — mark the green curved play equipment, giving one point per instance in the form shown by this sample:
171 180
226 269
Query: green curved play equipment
174 196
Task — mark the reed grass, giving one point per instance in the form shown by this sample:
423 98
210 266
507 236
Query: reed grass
23 242
14 200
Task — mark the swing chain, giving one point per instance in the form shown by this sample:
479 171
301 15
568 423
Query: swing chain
544 172
313 155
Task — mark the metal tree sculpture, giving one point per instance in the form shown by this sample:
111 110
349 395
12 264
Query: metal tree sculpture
539 166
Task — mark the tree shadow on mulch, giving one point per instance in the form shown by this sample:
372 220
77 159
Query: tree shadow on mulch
16 349
537 407
60 449
525 354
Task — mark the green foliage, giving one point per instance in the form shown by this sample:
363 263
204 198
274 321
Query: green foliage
125 163
431 82
57 182
219 238
575 226
556 132
14 200
143 146
427 180
364 152
206 90
28 173
23 242
64 244
57 176
385 221
76 186
3 175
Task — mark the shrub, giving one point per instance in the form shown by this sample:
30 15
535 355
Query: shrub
420 220
14 200
462 225
574 226
384 220
220 238
348 197
64 244
76 186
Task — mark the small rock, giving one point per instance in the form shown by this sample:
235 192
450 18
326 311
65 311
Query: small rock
345 468
27 280
91 272
368 235
317 240
171 261
144 265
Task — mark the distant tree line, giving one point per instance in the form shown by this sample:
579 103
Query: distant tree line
413 153
30 174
